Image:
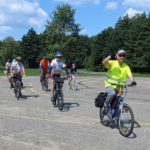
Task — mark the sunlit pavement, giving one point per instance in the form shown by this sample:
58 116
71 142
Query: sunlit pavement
32 123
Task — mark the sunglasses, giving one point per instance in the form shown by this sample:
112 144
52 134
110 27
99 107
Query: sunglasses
58 57
122 55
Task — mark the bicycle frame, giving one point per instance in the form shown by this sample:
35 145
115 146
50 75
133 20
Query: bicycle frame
121 101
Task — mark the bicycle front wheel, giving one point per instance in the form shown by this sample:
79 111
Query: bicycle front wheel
70 85
46 85
126 121
60 101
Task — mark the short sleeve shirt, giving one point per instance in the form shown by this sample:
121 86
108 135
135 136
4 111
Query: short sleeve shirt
57 66
17 67
117 72
44 64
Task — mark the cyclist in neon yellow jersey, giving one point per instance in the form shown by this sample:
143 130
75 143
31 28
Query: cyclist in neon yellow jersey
118 72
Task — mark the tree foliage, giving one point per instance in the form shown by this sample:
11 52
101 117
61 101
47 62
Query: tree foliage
31 48
63 33
62 24
8 49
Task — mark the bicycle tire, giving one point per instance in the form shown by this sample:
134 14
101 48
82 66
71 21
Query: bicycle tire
15 91
74 84
102 115
125 131
17 94
18 84
60 101
70 85
43 85
46 84
53 99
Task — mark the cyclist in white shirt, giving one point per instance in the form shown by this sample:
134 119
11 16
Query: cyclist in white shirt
7 69
56 67
17 69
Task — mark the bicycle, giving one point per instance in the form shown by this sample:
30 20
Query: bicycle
72 82
44 82
59 97
17 86
119 111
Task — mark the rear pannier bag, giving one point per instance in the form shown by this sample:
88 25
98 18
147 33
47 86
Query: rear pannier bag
100 99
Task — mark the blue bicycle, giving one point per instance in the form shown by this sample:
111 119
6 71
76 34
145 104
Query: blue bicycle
120 112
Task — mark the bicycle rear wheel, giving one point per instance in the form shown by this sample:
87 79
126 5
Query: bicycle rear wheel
103 117
17 89
126 121
42 84
74 84
53 99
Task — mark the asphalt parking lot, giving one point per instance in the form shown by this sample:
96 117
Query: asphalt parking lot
32 123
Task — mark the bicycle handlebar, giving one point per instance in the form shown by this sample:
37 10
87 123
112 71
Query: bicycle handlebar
129 85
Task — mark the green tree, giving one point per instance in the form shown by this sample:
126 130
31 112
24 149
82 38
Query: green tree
31 48
76 49
8 50
62 24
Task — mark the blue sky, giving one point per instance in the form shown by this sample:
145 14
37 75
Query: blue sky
18 16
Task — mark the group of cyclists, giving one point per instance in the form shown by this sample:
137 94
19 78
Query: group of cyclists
116 78
48 69
53 70
118 72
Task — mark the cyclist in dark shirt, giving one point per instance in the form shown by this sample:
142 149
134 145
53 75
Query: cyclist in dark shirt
72 73
73 69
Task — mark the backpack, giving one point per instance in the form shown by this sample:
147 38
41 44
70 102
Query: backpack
100 99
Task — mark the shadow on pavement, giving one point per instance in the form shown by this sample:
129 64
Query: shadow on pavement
113 125
27 96
67 106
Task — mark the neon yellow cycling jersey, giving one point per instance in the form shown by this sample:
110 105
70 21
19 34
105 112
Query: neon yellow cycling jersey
117 74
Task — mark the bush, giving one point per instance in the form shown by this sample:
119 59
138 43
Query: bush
2 68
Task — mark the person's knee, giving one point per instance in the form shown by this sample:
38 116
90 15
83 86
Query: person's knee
112 93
